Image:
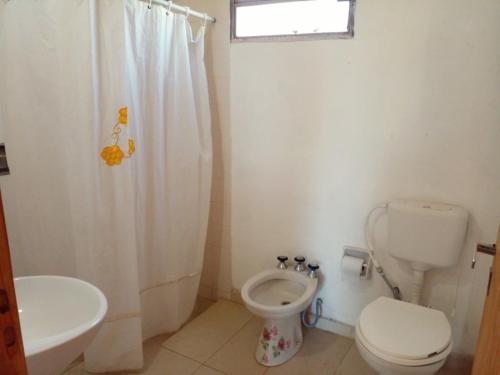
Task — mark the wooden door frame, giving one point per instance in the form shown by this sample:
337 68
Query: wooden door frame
487 357
12 360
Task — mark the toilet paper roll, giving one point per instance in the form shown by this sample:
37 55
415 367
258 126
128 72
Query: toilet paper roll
351 267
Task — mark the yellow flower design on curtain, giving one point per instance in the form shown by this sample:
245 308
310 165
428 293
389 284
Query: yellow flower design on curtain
123 115
114 155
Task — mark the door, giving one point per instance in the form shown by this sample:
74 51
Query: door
487 357
11 346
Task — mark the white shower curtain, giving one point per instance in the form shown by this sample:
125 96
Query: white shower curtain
136 229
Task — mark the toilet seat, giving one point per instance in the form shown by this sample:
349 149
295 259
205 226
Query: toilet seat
404 333
276 310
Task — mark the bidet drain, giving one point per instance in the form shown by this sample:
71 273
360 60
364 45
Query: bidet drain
285 303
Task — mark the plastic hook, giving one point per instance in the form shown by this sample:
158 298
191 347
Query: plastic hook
150 4
187 11
205 19
169 7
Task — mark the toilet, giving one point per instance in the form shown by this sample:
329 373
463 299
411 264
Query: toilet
396 337
278 296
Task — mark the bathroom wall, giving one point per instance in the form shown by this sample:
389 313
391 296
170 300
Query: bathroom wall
321 131
2 135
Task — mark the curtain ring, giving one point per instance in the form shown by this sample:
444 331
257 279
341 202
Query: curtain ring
187 11
150 4
205 19
169 6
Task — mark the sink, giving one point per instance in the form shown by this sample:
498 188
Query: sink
59 318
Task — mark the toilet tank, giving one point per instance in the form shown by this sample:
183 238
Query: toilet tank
426 234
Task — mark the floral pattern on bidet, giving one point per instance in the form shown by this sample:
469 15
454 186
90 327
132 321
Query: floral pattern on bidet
274 344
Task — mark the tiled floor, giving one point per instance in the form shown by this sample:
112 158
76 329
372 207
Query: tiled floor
222 340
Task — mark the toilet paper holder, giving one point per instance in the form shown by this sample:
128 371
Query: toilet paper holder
358 252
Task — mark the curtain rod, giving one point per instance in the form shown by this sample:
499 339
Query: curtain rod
170 5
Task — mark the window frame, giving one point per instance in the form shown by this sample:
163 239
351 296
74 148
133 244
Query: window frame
349 34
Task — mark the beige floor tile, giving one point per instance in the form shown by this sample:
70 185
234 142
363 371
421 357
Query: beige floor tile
151 348
353 364
204 370
157 360
204 335
156 340
237 356
321 353
79 369
160 361
76 369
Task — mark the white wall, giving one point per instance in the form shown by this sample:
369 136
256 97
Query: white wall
2 131
324 130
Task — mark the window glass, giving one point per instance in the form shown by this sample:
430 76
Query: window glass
291 18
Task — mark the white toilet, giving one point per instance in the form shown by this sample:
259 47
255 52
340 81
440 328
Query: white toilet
279 296
396 337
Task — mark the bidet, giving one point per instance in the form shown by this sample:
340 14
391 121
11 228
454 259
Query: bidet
279 296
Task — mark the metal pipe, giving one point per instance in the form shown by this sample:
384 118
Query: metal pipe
394 289
170 5
396 293
317 314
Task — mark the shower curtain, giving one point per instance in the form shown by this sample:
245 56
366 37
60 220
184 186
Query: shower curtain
133 222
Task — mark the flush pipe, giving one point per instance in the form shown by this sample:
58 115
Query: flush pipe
396 293
418 282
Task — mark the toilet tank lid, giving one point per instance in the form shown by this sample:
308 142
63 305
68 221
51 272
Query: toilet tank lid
404 330
429 208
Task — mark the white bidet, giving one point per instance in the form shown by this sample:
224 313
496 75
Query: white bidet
279 296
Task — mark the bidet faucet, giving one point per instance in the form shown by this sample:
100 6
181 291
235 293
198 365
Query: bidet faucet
313 270
299 265
282 262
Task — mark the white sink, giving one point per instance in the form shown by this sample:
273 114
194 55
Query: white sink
59 318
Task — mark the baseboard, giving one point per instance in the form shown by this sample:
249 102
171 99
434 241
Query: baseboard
206 291
236 296
334 326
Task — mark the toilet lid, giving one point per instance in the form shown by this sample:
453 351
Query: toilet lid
404 330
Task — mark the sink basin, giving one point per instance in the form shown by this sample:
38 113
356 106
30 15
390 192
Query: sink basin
59 318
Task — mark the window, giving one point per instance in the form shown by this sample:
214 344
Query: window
291 19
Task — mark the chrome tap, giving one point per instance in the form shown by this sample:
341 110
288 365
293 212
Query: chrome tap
299 263
282 262
313 270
